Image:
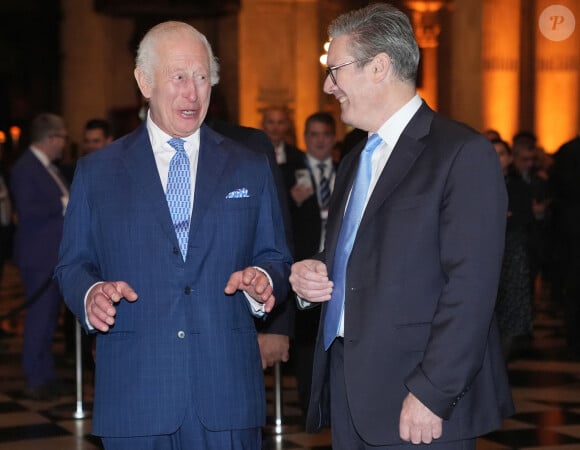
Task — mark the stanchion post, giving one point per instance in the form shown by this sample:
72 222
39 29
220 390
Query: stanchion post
79 412
63 410
279 428
278 398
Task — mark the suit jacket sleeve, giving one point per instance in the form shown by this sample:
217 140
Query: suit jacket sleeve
472 230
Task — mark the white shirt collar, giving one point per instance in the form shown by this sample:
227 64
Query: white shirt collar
392 129
313 162
159 138
45 160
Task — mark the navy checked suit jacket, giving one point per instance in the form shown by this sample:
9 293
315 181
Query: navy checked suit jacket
183 340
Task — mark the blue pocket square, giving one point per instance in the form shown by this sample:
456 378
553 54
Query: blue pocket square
239 193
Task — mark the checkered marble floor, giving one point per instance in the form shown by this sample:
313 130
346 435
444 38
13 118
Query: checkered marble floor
545 382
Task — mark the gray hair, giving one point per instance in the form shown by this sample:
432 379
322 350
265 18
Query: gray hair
44 125
379 28
147 53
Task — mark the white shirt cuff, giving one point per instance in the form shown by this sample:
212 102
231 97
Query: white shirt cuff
257 307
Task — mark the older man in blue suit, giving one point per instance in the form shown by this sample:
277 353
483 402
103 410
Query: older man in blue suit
172 295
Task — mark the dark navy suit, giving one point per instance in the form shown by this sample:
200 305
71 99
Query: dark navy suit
183 343
38 202
421 284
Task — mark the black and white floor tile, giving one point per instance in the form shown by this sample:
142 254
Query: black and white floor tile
545 381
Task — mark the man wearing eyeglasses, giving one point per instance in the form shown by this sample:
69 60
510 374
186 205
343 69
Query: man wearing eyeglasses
408 345
40 195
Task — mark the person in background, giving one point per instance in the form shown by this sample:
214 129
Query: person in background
276 124
173 242
6 223
491 134
40 195
525 157
6 229
309 181
514 306
565 182
408 345
97 134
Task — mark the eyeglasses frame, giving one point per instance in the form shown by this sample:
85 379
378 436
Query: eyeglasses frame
329 69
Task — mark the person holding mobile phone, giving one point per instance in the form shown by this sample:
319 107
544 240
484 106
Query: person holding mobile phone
310 180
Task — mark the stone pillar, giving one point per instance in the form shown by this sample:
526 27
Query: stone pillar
279 49
501 66
426 26
557 72
97 65
466 62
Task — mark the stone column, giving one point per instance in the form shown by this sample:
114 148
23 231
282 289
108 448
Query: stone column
97 65
466 62
501 66
557 72
427 29
279 49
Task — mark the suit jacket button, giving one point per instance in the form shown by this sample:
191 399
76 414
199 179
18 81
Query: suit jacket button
187 290
181 334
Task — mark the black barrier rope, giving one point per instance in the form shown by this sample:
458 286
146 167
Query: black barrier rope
33 298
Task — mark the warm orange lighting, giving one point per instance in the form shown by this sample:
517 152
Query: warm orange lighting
557 80
425 18
2 137
557 109
501 68
426 5
14 134
324 56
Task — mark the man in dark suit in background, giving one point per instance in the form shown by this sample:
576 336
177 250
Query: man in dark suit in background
40 196
173 242
408 342
309 182
565 183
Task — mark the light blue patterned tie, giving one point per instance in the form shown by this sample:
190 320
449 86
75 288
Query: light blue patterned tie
350 223
179 192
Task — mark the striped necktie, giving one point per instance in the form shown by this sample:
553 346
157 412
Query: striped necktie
179 193
324 187
347 234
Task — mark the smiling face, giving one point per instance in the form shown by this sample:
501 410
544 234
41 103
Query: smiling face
320 140
180 88
353 88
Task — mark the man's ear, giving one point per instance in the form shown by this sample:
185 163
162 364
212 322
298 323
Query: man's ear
143 82
380 66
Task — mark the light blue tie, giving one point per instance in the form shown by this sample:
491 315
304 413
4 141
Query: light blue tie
179 193
350 223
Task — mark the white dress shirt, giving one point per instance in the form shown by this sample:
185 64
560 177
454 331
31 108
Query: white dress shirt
53 172
390 132
163 152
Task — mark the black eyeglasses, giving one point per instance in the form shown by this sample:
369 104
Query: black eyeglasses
330 69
